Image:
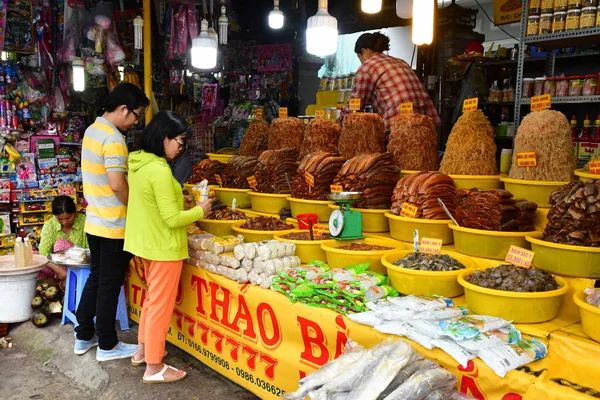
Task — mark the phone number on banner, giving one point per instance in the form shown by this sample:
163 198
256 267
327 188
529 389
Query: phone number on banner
259 382
206 353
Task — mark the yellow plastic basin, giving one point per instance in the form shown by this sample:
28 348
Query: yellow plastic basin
536 191
226 196
429 283
268 203
590 316
373 221
482 182
541 218
401 228
255 236
306 250
407 172
563 259
522 308
224 158
345 258
217 227
488 244
585 176
319 207
254 214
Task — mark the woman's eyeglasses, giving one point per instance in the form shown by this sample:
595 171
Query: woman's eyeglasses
136 115
180 142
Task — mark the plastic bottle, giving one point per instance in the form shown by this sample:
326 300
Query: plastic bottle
19 253
596 137
575 135
505 161
28 252
585 139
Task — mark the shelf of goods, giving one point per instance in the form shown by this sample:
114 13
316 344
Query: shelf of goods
568 100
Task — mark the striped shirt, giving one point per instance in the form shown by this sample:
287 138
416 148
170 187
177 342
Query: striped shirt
104 150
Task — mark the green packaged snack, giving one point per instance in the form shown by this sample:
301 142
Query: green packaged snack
379 292
381 279
304 290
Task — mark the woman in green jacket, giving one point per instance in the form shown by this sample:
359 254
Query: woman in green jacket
156 232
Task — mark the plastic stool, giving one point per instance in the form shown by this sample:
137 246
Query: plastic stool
76 279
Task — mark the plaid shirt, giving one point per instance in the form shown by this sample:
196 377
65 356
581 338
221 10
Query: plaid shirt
385 82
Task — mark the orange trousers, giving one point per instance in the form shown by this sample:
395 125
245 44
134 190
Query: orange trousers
162 278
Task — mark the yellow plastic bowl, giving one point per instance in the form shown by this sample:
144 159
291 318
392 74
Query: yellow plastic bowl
226 196
306 250
373 221
292 221
255 236
488 244
406 172
541 218
428 283
563 259
254 214
218 227
268 203
585 176
536 191
224 158
319 207
522 308
482 182
401 228
345 258
590 316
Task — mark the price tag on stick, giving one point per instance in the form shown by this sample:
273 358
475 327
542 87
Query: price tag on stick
319 114
431 246
409 210
336 188
470 104
595 167
406 109
526 159
318 230
355 104
519 256
309 179
252 182
542 102
283 112
218 179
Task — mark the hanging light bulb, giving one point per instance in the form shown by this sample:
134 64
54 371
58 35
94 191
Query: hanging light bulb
404 8
213 34
370 6
223 24
138 25
78 75
321 32
276 17
422 26
204 49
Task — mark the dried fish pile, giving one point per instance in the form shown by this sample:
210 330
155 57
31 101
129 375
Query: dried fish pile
305 236
206 169
429 262
413 142
363 247
374 175
256 139
494 210
286 133
237 170
323 167
422 190
574 216
511 278
266 224
362 134
320 136
275 169
226 215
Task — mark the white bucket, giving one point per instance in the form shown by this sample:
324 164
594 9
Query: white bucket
16 293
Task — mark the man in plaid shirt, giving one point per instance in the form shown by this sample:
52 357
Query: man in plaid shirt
385 82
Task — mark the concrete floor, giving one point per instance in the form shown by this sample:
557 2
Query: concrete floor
41 365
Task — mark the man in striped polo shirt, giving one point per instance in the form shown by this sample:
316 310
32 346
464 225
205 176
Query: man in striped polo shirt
104 167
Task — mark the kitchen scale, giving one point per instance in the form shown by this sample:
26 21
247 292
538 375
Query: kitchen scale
345 224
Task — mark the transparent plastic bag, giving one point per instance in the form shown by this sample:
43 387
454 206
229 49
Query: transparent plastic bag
422 383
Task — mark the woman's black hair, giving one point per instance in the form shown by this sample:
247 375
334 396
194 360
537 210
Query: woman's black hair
63 204
126 94
165 124
377 42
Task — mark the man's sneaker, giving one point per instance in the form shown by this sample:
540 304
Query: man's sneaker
82 346
123 350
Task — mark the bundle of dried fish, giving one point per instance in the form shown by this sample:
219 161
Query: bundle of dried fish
422 190
305 236
323 167
574 216
320 136
511 278
429 262
363 247
413 142
266 224
374 175
256 139
362 134
286 133
275 170
206 169
226 215
494 210
236 172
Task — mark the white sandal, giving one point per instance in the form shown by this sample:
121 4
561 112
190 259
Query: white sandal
142 361
160 377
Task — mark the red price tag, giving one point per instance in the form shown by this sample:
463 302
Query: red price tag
319 114
252 182
318 230
309 179
431 246
336 188
409 210
283 112
354 104
211 192
519 256
470 104
526 159
595 167
542 102
218 179
406 109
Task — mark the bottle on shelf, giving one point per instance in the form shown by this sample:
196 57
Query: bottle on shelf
28 252
19 253
575 135
585 140
596 137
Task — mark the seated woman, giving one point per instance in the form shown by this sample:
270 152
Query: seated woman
66 224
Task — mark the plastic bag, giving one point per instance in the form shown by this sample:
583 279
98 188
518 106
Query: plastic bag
442 313
224 244
405 373
593 296
379 292
395 313
499 337
422 303
455 351
302 274
247 264
422 383
196 242
197 263
366 318
502 359
229 260
392 328
469 326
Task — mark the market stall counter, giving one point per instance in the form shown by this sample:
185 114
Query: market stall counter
263 342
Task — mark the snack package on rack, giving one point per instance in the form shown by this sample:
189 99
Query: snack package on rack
305 273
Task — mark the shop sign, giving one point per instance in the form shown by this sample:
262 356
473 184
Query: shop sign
471 104
355 104
519 256
406 109
252 182
595 167
431 246
542 102
526 159
309 179
336 188
319 114
409 210
507 11
283 112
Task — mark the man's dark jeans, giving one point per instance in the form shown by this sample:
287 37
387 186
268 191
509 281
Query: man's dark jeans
101 293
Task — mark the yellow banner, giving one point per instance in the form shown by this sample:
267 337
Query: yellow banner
263 342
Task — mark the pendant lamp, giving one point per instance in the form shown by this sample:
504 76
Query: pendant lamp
78 74
422 26
404 9
370 6
321 32
276 17
204 49
223 25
